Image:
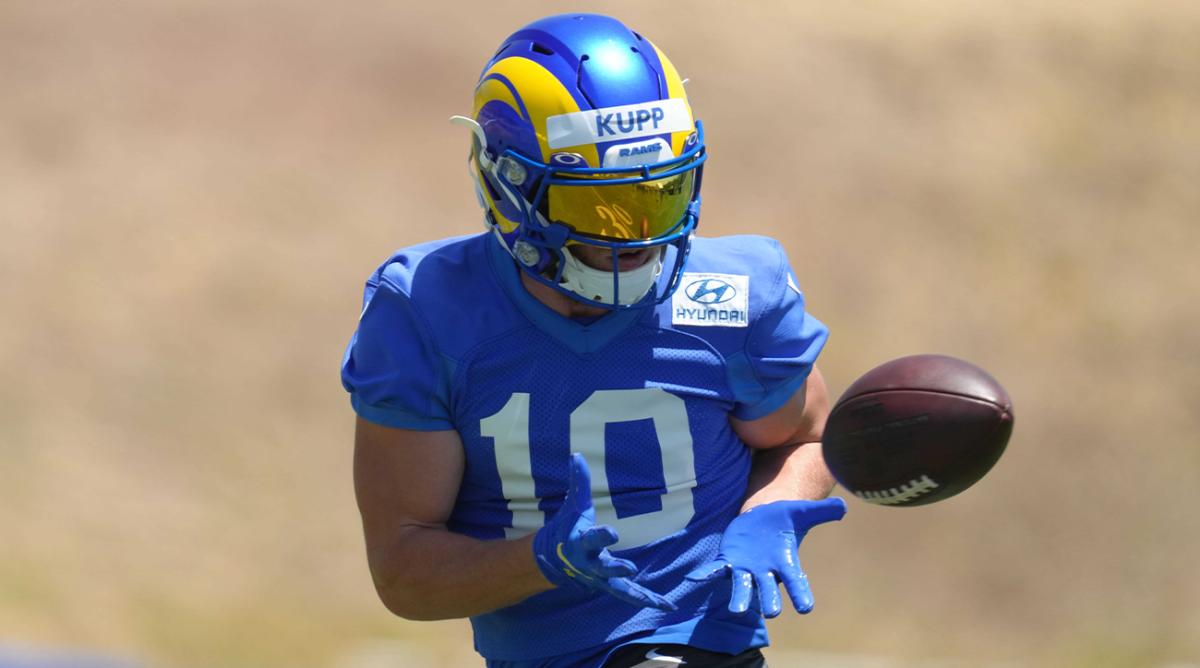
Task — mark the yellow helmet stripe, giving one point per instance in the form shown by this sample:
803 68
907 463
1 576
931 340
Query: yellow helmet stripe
674 90
542 91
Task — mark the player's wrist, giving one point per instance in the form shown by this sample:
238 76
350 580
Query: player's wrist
542 546
773 504
531 571
765 497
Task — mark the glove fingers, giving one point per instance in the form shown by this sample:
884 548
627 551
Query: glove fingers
743 589
819 512
612 567
768 595
708 571
580 491
598 537
796 584
629 591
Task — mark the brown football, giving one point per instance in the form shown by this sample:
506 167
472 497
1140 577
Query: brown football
917 430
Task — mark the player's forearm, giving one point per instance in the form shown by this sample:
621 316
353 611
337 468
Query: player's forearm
788 472
431 573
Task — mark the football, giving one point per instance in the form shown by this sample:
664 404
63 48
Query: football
917 430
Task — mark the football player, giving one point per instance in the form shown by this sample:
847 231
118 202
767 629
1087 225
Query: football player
586 429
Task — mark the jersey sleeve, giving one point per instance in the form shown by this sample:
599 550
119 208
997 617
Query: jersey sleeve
392 368
780 351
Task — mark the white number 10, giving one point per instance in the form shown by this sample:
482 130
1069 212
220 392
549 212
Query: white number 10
509 428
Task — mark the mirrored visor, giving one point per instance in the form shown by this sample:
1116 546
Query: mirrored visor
629 211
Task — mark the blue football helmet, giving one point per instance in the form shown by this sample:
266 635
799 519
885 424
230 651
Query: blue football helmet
583 137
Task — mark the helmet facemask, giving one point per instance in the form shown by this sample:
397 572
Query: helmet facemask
563 205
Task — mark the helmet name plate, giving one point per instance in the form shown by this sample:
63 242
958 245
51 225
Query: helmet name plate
618 123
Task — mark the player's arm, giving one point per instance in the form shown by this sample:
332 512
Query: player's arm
406 483
785 497
787 442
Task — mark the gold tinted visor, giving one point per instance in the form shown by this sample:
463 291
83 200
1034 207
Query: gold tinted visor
629 211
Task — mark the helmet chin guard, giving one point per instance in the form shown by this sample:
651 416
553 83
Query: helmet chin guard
617 288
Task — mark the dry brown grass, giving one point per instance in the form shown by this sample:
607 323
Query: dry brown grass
192 192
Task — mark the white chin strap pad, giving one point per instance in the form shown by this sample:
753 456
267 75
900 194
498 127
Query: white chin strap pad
597 284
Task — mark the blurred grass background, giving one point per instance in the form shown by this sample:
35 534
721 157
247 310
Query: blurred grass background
191 193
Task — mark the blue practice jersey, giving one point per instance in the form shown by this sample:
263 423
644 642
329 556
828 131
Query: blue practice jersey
450 339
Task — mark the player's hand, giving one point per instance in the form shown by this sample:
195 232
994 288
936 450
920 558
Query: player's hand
759 549
572 550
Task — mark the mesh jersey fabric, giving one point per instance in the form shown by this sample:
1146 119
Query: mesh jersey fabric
449 339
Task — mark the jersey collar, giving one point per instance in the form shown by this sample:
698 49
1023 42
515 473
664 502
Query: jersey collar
580 338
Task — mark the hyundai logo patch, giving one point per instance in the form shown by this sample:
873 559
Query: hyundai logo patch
712 300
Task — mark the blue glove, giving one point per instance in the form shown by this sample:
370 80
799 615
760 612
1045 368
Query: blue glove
571 550
760 546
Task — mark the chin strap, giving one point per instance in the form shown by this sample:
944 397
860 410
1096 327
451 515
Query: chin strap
597 284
